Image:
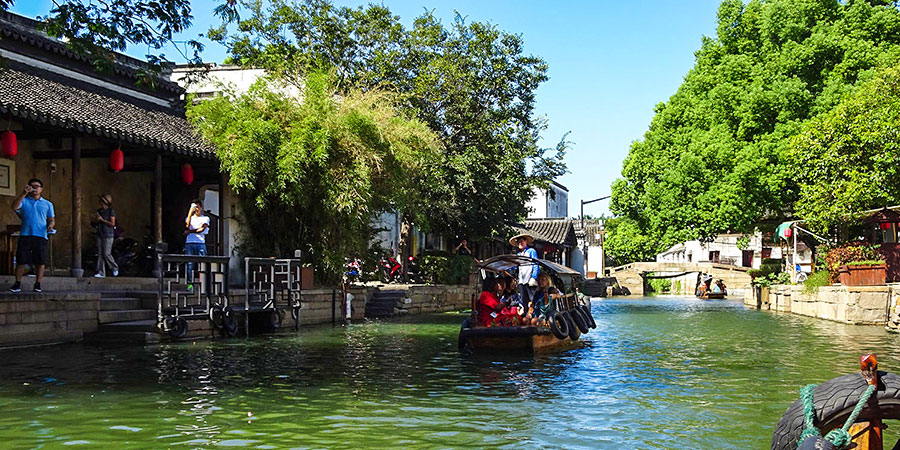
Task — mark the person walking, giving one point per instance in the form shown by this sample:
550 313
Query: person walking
106 234
528 273
38 219
197 227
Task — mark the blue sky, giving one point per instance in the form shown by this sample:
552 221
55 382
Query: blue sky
610 63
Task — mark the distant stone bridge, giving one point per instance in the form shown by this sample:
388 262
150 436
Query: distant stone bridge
634 276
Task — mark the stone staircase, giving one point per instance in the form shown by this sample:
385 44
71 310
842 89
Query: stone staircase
126 317
385 303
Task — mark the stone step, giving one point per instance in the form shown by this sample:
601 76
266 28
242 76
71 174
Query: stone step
126 315
119 303
146 325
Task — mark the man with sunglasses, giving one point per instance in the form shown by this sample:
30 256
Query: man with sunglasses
38 219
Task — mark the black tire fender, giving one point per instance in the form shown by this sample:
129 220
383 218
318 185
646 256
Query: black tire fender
834 400
574 332
580 321
461 340
590 317
559 326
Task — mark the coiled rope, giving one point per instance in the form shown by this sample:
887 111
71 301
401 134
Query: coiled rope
840 437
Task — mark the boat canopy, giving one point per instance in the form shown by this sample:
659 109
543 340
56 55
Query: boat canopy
505 263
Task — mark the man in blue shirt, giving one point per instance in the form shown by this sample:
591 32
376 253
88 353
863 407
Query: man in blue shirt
38 219
528 273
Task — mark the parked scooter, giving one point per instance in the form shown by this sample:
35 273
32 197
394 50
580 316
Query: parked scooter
390 269
352 270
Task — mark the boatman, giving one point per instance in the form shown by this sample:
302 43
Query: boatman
528 273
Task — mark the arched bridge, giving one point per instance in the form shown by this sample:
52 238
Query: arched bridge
635 275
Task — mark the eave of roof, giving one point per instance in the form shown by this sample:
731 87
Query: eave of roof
41 97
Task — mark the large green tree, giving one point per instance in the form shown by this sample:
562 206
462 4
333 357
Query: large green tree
470 82
311 173
716 156
848 159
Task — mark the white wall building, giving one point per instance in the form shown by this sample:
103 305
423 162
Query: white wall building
724 249
552 203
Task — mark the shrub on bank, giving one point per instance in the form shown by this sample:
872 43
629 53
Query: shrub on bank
445 268
815 281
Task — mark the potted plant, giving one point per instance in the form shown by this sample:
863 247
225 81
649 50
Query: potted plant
863 273
856 264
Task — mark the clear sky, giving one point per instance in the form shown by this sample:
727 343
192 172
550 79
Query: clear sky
610 63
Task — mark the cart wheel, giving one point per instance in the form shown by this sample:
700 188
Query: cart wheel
276 317
179 328
229 322
216 316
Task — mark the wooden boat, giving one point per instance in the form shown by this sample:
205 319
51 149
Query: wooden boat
531 339
704 290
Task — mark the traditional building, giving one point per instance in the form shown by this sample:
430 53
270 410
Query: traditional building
68 119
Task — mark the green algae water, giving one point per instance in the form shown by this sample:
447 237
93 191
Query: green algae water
657 373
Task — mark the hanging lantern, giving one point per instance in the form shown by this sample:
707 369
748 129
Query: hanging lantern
788 232
8 144
116 160
885 226
187 173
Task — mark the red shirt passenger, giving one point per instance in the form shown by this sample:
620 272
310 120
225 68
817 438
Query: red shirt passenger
488 306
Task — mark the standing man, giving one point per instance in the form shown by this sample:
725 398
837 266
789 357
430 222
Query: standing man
38 219
528 273
197 227
106 234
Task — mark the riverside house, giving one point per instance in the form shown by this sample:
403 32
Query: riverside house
85 133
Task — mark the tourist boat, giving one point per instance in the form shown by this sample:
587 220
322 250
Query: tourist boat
572 319
705 291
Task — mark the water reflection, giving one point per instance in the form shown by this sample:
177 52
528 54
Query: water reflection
673 373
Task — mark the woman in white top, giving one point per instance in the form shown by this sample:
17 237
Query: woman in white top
196 228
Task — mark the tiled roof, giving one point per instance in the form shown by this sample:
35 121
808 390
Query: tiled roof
40 96
591 232
25 33
559 232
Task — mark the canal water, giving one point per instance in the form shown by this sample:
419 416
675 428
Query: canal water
657 373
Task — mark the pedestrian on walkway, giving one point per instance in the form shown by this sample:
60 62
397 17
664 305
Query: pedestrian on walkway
105 221
196 228
38 219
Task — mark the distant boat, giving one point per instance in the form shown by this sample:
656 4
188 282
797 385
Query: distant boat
706 290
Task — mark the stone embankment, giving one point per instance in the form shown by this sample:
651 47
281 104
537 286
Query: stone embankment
57 317
858 305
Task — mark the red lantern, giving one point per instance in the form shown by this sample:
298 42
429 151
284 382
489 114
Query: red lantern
116 160
10 147
788 232
885 226
187 173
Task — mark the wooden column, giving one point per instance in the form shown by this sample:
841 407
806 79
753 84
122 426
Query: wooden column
221 228
157 199
77 271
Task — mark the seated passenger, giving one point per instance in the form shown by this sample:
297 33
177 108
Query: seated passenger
542 307
512 297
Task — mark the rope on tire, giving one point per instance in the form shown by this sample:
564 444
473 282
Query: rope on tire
840 437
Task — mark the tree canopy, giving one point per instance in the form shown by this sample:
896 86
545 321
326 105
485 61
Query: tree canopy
311 174
470 82
717 156
98 28
848 159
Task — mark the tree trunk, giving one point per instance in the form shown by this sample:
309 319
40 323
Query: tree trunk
405 243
